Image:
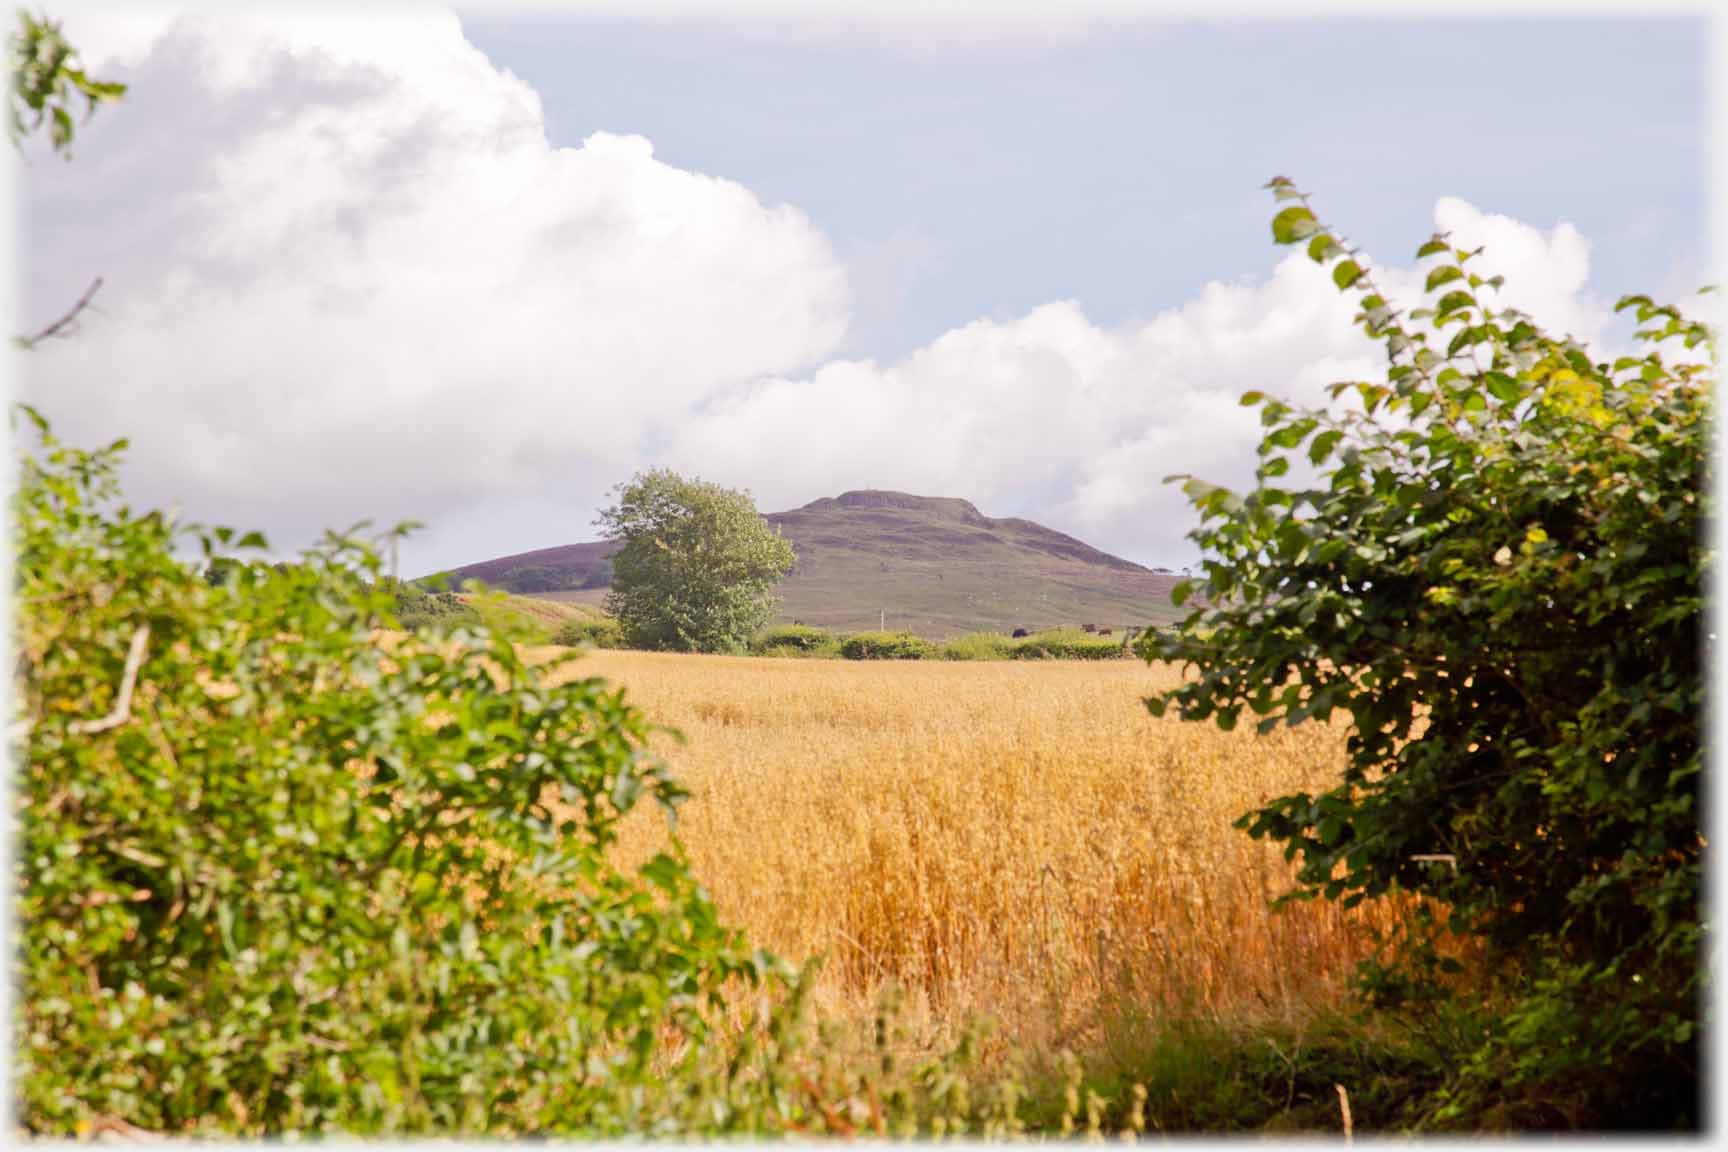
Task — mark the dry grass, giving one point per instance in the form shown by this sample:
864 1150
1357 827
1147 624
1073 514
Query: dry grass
1017 840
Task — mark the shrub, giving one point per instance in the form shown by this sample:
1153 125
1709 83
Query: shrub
1498 576
977 646
278 877
590 632
417 607
886 646
1067 644
795 640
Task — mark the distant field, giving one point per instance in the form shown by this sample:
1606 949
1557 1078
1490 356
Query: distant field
1020 840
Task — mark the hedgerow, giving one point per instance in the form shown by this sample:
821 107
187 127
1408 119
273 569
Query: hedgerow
977 646
795 640
886 646
1067 644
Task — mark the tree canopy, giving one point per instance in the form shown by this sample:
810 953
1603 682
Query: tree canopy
697 564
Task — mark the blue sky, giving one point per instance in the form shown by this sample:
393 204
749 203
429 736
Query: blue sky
1122 166
476 268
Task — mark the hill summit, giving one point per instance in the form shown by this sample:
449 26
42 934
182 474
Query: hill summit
928 564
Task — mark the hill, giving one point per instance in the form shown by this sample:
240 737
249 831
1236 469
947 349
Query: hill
935 566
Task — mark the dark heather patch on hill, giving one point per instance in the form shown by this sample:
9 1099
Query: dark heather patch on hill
937 566
575 565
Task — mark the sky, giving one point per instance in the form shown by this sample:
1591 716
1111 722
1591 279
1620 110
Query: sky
476 268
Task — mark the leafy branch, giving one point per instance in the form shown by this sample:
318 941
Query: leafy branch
47 80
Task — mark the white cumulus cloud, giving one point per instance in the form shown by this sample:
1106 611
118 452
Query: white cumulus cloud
1053 417
347 275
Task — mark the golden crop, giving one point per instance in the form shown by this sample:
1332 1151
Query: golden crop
1017 840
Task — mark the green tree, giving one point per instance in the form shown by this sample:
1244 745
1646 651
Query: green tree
696 567
1498 578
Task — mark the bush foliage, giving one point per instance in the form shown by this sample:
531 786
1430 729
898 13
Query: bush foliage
590 632
795 640
886 646
1067 644
977 646
282 874
1497 577
418 607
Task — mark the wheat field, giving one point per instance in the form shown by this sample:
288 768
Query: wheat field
1019 841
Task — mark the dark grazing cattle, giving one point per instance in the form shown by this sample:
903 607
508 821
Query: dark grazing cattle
1021 634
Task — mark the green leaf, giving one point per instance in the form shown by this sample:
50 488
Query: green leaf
1444 274
1346 273
1323 445
1322 248
1293 224
1198 490
1291 434
1453 302
1504 388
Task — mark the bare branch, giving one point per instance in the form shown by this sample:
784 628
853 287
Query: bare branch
59 326
123 702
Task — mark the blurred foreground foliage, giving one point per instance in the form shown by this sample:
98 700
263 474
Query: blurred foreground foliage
1495 569
280 875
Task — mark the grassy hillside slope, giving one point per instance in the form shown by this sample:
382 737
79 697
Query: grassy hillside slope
936 566
535 620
